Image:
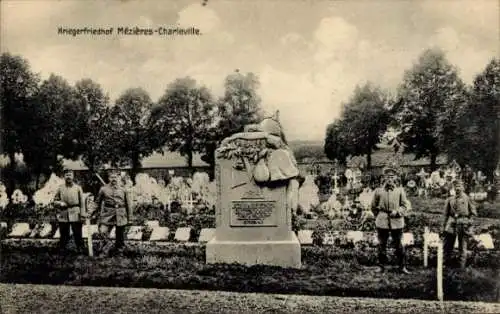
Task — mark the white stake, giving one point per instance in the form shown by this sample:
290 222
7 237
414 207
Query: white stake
426 246
440 272
89 237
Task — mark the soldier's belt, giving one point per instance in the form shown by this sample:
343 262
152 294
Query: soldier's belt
114 206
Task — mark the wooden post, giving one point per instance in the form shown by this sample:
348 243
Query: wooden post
191 202
89 237
426 246
440 272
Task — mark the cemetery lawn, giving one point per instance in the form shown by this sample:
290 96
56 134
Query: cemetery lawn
326 271
66 299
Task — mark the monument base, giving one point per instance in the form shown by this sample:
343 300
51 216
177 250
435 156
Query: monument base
275 253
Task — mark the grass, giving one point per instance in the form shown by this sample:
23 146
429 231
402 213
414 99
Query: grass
65 299
326 271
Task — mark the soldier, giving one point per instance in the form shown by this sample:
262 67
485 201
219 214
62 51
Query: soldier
69 202
389 206
115 209
457 222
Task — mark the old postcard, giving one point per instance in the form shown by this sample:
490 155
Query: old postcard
268 156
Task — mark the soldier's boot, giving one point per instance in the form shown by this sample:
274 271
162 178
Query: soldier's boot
404 270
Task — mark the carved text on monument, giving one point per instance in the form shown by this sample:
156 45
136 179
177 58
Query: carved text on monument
253 213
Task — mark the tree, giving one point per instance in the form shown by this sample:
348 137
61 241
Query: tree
131 137
479 123
240 105
336 145
183 117
91 115
365 118
429 100
308 150
18 84
49 126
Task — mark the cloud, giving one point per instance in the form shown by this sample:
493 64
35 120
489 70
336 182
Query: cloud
200 16
457 50
479 15
307 69
334 38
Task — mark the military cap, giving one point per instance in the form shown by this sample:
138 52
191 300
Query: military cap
66 169
458 183
115 172
388 170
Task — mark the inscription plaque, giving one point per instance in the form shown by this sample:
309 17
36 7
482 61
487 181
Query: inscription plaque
253 213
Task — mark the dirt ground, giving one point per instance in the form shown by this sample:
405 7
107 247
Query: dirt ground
66 299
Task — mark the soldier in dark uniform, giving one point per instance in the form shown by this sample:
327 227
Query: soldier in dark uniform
458 210
69 203
115 210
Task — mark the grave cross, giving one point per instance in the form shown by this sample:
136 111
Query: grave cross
335 179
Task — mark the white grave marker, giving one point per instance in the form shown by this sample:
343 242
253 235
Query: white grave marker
354 236
433 239
42 230
183 234
135 233
89 230
408 239
305 237
159 234
152 223
206 234
485 240
20 229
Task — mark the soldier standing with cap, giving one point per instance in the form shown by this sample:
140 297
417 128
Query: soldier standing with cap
458 210
115 210
389 206
69 202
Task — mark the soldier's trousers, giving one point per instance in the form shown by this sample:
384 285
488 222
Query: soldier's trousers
383 237
64 230
119 234
449 243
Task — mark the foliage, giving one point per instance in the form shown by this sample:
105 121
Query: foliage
50 125
303 151
183 117
240 106
430 99
91 115
336 142
18 85
479 124
132 135
367 118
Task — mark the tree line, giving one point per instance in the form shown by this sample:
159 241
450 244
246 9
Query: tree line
46 120
433 111
50 120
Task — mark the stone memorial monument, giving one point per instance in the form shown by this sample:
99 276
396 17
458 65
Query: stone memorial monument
257 191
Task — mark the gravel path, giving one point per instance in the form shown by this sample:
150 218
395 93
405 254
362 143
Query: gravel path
67 299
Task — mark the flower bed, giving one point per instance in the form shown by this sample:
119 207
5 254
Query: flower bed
326 271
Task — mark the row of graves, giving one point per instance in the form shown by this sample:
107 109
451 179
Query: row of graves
439 183
320 195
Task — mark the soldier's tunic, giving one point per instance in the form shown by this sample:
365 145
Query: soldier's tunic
114 205
458 211
385 201
72 195
69 216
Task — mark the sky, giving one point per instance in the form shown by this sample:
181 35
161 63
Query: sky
308 55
